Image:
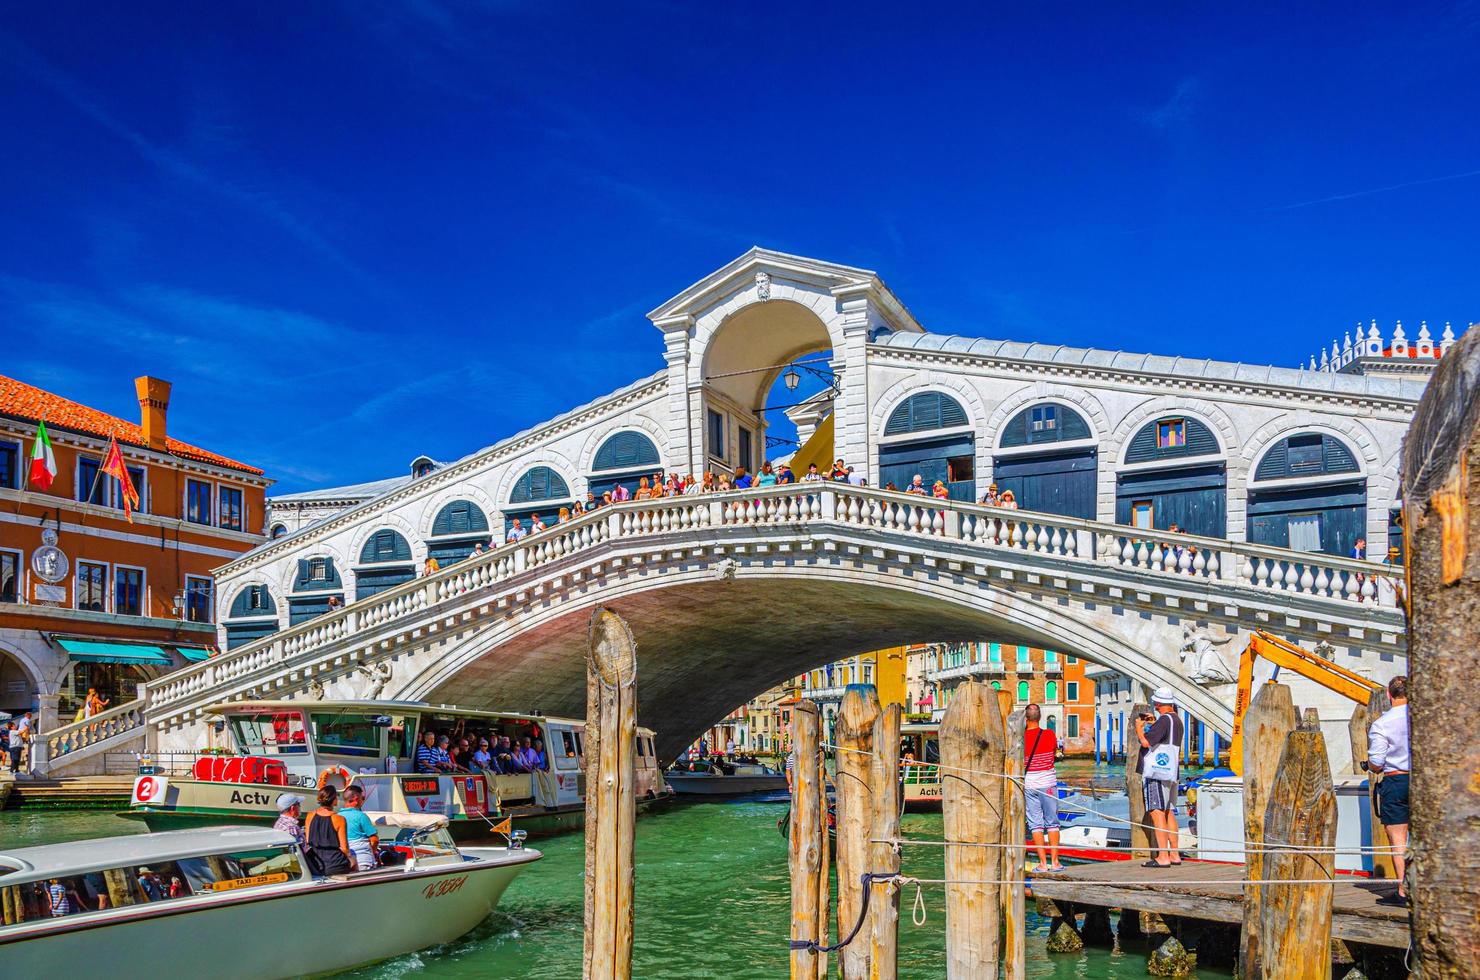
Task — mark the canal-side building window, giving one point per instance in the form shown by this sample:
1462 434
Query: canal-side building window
1173 474
252 616
1022 691
539 491
128 590
624 458
458 528
929 434
198 603
1071 690
745 448
231 516
1046 456
10 576
91 586
1308 494
1051 691
1073 729
278 531
10 465
385 562
92 486
197 502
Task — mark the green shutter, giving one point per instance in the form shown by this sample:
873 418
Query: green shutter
923 412
625 450
385 545
460 517
540 483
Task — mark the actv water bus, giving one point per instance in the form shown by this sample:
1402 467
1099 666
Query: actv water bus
298 746
919 758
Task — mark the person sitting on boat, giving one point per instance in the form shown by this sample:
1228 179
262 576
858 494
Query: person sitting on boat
541 761
431 760
327 851
526 755
290 811
445 752
507 758
482 760
359 830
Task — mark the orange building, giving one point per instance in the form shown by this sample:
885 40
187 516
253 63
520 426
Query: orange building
1048 678
88 599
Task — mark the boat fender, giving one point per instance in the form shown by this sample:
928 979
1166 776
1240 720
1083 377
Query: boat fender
345 776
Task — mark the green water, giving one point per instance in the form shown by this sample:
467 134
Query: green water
712 902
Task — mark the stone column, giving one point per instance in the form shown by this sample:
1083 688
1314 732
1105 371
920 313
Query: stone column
851 437
48 706
685 453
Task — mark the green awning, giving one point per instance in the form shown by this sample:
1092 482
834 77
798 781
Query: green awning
101 652
194 654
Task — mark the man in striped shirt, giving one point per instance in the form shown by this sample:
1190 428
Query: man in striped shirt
431 760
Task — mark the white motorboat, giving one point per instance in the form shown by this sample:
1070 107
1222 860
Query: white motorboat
240 902
718 779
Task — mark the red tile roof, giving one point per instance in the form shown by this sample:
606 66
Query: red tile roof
23 401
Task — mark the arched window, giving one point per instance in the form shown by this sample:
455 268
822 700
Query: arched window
625 451
385 545
996 685
1188 491
625 458
1171 437
252 616
278 530
1045 423
1308 454
317 589
923 412
389 557
1022 692
1051 691
949 457
459 527
1328 515
1052 723
541 490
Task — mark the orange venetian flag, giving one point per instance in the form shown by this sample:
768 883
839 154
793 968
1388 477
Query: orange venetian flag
504 826
113 466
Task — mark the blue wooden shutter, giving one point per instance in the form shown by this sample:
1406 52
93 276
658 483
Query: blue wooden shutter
460 517
626 450
925 411
1200 441
540 483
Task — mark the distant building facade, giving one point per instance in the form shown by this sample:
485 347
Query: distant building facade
1053 680
88 599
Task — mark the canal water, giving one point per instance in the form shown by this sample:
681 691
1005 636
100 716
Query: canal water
712 902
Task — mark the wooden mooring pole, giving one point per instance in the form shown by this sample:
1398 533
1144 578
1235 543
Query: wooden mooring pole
1014 858
808 860
855 808
1300 824
971 755
1270 718
883 857
611 807
1441 518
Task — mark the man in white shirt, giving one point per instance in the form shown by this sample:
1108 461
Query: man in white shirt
1388 755
516 531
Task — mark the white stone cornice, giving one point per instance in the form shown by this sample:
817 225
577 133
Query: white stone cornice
1362 405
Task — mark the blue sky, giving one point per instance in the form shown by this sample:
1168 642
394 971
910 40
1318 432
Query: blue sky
352 233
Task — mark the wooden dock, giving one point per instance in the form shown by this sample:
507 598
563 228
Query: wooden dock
1356 916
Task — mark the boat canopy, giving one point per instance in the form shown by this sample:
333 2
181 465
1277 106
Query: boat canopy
406 820
80 857
377 708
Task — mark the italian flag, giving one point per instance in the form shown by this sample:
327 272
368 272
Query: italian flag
43 461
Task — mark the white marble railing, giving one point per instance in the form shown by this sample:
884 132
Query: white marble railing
56 744
982 529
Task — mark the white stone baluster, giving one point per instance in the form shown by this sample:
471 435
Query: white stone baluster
1056 542
1307 580
1128 553
1141 555
1292 578
1014 534
1200 563
1323 582
1156 556
1040 541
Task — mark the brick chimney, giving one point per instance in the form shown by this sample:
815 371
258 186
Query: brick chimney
154 405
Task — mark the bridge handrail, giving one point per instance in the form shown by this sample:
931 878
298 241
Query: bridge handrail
77 735
1160 552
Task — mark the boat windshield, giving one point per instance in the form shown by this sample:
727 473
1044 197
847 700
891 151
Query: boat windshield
270 733
158 881
357 734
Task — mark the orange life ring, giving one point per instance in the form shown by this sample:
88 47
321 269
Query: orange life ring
332 771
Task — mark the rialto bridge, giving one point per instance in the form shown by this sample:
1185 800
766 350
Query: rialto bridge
1275 471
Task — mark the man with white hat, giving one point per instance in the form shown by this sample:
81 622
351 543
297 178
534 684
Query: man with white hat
290 811
1160 793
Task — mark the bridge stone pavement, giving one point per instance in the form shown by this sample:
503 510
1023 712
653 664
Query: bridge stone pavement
728 594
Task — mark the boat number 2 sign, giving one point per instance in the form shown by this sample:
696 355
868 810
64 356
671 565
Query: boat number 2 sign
444 887
150 789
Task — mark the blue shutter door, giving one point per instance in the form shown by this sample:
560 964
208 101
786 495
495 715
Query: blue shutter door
1056 483
1342 508
1194 497
304 609
371 581
240 634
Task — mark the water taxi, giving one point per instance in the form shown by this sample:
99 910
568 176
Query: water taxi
919 755
712 779
298 746
240 902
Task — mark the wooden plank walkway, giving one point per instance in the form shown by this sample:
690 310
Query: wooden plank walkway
1356 916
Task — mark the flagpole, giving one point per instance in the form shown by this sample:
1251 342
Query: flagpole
99 474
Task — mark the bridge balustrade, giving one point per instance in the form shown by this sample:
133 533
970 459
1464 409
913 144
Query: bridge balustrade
798 506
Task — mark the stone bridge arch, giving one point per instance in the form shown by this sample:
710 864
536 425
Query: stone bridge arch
714 633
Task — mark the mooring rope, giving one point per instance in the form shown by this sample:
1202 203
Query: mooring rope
866 879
